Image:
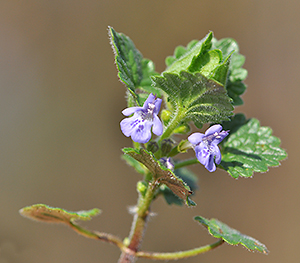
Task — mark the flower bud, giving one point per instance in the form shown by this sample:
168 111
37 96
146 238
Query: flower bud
166 146
141 187
165 115
183 129
152 147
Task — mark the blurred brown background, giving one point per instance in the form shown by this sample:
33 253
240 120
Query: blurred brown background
60 107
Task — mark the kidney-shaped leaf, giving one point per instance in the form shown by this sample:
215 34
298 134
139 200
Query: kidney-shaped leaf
231 236
249 147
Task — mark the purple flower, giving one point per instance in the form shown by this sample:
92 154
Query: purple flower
139 125
206 146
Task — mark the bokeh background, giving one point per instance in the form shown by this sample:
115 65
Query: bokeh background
60 107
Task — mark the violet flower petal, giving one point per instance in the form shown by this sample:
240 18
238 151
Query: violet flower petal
157 126
131 110
215 128
126 125
195 138
142 132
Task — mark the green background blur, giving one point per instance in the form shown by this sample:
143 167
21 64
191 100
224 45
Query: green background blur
60 141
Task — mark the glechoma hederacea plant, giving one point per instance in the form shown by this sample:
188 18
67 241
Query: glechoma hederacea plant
201 85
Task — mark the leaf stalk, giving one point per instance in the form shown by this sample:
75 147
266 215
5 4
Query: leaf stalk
186 163
180 254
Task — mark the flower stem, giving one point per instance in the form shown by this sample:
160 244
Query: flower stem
138 226
181 254
186 163
174 122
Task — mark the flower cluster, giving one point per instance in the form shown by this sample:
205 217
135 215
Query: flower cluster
140 124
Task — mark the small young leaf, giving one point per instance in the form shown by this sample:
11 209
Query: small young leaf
197 98
231 236
220 73
180 51
161 174
226 45
206 63
216 59
191 57
249 148
48 214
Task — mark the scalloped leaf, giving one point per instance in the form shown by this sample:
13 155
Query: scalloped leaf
235 90
48 214
161 174
249 148
197 98
231 236
235 86
133 70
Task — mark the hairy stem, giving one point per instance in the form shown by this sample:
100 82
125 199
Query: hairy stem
180 254
138 226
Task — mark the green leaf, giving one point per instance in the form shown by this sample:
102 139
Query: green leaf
209 63
146 82
128 59
161 174
220 73
231 236
48 214
180 51
206 63
234 90
188 177
190 58
195 97
133 70
235 86
219 60
249 148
